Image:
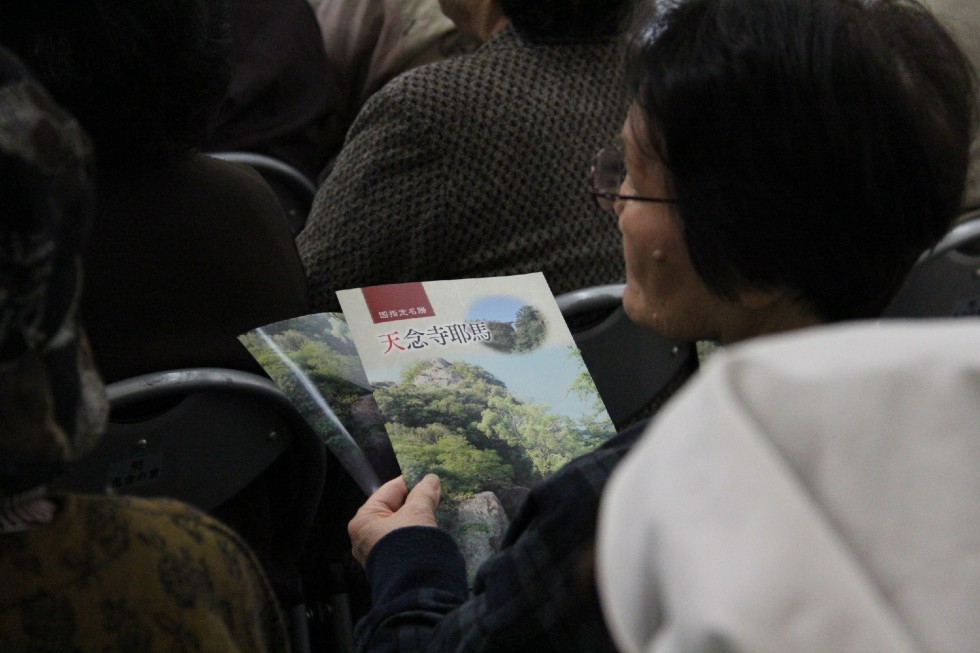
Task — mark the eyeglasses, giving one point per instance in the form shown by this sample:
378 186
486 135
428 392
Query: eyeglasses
608 173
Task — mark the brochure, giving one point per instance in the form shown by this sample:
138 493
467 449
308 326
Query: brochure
476 380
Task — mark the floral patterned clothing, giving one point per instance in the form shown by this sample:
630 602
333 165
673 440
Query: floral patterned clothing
123 574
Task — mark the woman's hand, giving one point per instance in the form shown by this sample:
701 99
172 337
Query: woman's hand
392 507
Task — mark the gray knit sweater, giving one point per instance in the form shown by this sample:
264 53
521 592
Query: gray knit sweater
474 166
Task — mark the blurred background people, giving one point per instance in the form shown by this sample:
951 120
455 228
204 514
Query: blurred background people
783 165
468 166
813 492
962 17
368 42
186 251
283 99
86 573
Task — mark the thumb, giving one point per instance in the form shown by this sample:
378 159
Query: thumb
425 496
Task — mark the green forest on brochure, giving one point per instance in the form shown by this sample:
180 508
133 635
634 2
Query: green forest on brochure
463 424
321 347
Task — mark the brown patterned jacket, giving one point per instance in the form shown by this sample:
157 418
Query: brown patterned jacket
474 166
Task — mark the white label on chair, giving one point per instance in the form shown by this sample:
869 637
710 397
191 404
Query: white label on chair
136 471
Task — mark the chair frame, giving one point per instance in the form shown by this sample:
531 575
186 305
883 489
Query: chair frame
945 282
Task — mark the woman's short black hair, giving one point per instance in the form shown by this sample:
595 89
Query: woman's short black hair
543 21
144 77
819 145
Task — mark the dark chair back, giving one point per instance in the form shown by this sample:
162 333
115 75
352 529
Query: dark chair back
634 368
946 280
294 189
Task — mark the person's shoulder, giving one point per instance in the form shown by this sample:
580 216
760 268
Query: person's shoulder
176 518
510 66
188 181
160 525
438 76
164 525
428 81
225 175
227 190
168 555
508 43
420 102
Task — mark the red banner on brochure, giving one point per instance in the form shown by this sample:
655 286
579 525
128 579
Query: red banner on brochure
400 301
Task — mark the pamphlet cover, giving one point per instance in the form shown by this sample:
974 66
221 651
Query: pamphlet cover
476 380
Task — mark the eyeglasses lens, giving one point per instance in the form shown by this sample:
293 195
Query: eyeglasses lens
608 174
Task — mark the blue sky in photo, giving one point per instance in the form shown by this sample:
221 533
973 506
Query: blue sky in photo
541 376
495 307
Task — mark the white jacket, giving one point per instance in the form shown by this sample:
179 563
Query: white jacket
818 491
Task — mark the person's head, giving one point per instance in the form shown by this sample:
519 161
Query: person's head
145 78
52 404
541 21
814 149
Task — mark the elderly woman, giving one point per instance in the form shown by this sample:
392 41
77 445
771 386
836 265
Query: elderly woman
86 573
773 180
783 164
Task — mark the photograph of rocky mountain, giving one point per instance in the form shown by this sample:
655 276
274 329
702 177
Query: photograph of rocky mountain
488 447
478 381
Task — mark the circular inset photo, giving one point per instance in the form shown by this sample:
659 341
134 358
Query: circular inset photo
514 327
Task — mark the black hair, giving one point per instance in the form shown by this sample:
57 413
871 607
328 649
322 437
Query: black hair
543 21
819 145
145 78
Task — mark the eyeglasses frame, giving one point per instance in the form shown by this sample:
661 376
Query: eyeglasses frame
606 199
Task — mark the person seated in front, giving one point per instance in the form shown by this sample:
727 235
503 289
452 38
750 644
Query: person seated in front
783 164
283 98
187 251
367 43
808 492
456 169
80 572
